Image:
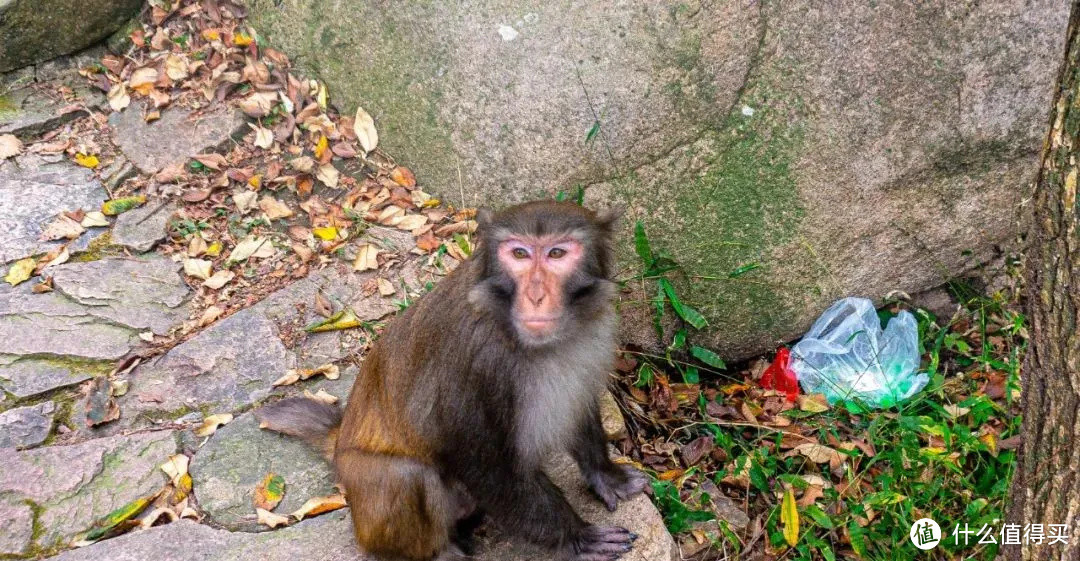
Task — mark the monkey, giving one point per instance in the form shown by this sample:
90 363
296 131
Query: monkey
464 395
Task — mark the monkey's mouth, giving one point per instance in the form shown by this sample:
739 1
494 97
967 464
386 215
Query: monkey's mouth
538 324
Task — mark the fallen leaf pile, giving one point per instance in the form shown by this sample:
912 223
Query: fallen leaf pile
301 189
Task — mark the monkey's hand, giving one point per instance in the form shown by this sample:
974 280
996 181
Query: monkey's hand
600 543
616 482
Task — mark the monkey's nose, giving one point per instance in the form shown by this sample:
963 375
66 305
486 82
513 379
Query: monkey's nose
535 294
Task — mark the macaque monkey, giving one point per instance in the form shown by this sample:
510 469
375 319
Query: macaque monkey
465 395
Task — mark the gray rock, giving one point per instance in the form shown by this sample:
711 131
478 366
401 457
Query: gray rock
94 316
730 512
231 364
329 537
938 301
33 190
845 151
14 80
27 377
389 239
74 485
32 31
539 89
611 417
147 293
33 109
175 137
343 288
96 311
238 456
227 366
67 68
142 228
50 324
637 515
326 538
321 348
116 174
18 531
23 427
725 509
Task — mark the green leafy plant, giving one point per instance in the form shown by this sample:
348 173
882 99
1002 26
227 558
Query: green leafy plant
943 455
187 226
946 454
579 195
678 516
657 266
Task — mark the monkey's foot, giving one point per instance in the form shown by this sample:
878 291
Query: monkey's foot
616 483
601 543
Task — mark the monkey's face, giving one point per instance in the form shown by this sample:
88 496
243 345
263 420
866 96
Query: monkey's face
541 269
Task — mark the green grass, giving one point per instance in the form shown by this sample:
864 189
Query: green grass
946 454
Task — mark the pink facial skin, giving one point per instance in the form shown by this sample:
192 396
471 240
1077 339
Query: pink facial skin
539 267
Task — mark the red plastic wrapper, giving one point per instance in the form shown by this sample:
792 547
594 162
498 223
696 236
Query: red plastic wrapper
780 377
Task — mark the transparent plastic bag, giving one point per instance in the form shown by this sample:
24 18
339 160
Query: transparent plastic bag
848 357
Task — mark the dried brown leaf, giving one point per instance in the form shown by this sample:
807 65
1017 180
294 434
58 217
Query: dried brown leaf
219 279
196 195
269 492
343 150
321 396
464 227
323 307
364 127
62 227
817 453
258 104
264 137
271 519
274 208
403 176
385 287
210 315
212 160
366 258
320 505
329 175
171 173
101 406
198 268
245 201
211 424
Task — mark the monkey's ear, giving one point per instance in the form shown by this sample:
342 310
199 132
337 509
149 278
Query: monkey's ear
608 217
484 216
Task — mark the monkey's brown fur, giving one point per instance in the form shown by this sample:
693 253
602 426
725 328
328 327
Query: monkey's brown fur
457 405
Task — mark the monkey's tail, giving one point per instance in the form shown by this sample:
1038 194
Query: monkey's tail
314 422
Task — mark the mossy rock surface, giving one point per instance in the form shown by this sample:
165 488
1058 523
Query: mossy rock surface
32 31
854 150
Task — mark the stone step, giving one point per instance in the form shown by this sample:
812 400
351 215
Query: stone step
329 537
50 494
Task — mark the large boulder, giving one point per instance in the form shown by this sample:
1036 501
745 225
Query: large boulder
821 152
35 30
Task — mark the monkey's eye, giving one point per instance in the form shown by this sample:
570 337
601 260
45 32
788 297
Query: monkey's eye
557 253
520 253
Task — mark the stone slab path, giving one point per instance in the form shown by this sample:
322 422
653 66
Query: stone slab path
85 342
